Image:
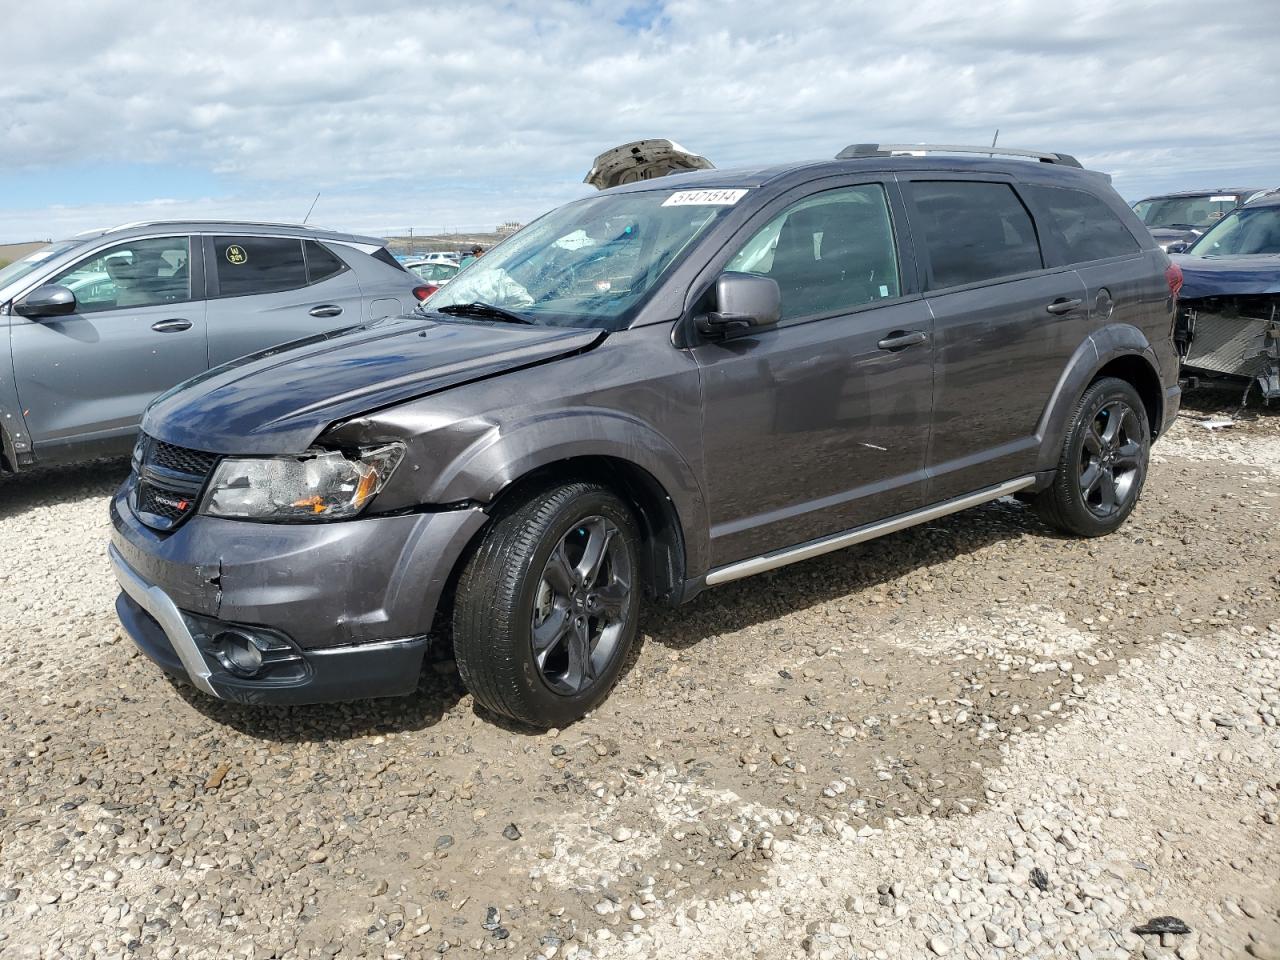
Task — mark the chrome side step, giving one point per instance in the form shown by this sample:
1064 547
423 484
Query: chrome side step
838 541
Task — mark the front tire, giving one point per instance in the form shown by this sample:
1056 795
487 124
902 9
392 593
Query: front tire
546 609
1103 464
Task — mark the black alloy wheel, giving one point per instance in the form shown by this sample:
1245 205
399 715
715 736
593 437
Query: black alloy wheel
1111 458
581 606
546 609
1103 462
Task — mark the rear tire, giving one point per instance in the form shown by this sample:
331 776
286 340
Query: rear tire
546 608
1103 466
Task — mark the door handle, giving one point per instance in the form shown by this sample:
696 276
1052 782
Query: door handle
326 310
1063 305
901 339
174 325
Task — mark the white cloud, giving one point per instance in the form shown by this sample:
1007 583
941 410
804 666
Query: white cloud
398 113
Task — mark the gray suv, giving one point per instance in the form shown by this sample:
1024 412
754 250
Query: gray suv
666 386
94 327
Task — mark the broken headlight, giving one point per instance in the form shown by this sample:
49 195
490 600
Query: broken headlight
316 486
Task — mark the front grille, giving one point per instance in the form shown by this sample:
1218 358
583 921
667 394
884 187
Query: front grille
195 463
163 504
170 482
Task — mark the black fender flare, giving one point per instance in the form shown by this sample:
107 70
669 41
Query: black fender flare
8 454
500 458
10 451
1095 352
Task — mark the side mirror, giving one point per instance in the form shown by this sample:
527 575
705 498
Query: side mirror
1178 246
744 302
49 300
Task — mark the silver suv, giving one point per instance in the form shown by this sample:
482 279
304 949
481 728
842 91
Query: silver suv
94 327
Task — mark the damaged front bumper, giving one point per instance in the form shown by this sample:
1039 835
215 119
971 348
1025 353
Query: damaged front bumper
334 611
1234 336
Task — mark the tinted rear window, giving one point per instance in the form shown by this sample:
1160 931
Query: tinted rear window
322 263
248 265
1086 227
973 231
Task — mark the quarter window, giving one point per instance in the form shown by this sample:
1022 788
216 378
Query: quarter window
248 265
139 273
973 231
1086 227
322 263
828 253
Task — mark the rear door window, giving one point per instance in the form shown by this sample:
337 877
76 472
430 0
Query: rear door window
249 265
1086 228
973 231
828 253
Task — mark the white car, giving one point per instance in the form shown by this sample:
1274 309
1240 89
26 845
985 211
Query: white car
449 258
435 272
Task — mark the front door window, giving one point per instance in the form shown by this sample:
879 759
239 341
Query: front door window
137 273
828 253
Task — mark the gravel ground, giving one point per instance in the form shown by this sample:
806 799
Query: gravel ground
971 739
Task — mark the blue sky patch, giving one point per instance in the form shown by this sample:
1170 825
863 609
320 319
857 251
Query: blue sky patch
642 16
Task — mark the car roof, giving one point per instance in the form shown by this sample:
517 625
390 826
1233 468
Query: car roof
246 228
1204 193
783 175
1270 200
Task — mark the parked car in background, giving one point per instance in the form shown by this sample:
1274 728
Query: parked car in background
1177 218
722 373
94 327
446 258
435 273
1229 307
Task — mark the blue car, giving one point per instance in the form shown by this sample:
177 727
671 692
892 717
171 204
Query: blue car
1229 318
1177 220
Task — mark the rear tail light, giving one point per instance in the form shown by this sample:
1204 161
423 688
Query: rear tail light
428 289
1173 277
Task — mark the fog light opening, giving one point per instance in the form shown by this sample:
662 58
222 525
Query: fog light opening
239 652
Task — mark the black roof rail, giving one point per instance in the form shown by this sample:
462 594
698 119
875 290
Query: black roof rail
857 150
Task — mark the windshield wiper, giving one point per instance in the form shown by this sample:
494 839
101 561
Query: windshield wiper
478 309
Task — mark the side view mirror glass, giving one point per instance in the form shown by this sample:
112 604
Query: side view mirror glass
744 302
49 300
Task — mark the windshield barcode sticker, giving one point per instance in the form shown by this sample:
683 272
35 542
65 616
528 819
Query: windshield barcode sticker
704 198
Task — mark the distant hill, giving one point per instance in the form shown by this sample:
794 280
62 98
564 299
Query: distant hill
431 243
10 252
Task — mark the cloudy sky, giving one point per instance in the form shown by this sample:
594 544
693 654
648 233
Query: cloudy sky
466 114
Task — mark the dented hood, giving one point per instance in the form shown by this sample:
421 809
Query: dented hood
1228 276
278 401
642 160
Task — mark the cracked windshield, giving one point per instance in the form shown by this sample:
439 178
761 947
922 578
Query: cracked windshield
587 264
